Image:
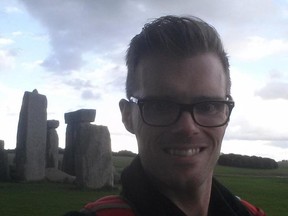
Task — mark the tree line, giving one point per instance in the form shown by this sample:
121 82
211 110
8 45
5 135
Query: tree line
244 161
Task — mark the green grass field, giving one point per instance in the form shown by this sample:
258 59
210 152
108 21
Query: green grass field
265 188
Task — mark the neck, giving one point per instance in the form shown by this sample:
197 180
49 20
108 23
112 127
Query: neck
193 200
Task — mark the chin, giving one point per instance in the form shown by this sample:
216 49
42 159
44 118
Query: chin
184 178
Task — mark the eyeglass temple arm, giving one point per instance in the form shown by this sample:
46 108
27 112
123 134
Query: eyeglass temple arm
229 97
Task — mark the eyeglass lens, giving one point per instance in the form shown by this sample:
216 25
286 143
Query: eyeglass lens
162 113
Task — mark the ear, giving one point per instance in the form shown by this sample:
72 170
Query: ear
126 112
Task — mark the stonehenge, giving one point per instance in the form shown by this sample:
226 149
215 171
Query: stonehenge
87 158
31 137
88 153
52 144
4 166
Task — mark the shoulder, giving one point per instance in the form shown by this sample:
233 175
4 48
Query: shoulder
113 205
253 210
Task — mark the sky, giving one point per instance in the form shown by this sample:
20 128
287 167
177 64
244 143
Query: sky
73 52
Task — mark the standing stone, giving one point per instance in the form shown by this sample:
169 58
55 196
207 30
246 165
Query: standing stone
52 144
93 157
73 119
31 137
68 162
88 153
4 164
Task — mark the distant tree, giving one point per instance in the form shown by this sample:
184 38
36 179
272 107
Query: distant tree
245 161
124 153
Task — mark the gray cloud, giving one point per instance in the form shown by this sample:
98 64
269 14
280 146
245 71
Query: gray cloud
88 90
274 90
116 79
281 144
77 27
79 83
256 133
7 57
63 61
117 84
243 129
90 95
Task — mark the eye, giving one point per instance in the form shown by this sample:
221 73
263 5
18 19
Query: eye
160 106
209 108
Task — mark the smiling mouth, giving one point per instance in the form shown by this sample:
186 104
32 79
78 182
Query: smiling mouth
183 152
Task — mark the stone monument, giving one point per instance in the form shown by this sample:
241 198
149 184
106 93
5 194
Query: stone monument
88 153
74 121
52 144
31 137
4 164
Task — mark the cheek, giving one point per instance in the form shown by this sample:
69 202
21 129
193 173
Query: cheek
148 139
144 136
141 132
221 132
216 135
138 124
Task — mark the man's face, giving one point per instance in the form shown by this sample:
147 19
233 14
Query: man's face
182 153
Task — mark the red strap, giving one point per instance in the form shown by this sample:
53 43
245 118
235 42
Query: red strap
114 205
109 206
253 209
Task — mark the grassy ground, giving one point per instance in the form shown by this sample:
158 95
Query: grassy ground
120 162
265 188
45 199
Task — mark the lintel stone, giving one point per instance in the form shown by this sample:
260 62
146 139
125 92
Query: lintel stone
1 144
52 124
82 115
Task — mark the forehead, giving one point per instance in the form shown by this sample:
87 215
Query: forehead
164 76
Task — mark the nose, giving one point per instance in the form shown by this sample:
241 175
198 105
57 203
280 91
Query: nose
186 124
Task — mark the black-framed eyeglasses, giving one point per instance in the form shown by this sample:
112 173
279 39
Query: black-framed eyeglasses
161 113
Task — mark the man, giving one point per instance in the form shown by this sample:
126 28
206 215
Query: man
178 107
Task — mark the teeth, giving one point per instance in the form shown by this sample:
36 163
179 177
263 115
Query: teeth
183 152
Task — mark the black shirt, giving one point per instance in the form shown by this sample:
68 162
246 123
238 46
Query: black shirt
146 200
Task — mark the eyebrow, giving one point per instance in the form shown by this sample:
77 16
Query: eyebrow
193 100
208 98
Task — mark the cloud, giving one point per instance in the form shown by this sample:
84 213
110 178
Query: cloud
258 119
258 126
7 54
64 61
11 9
281 144
99 27
90 95
256 47
115 78
78 27
254 118
5 41
17 33
79 83
276 86
88 90
274 90
7 59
